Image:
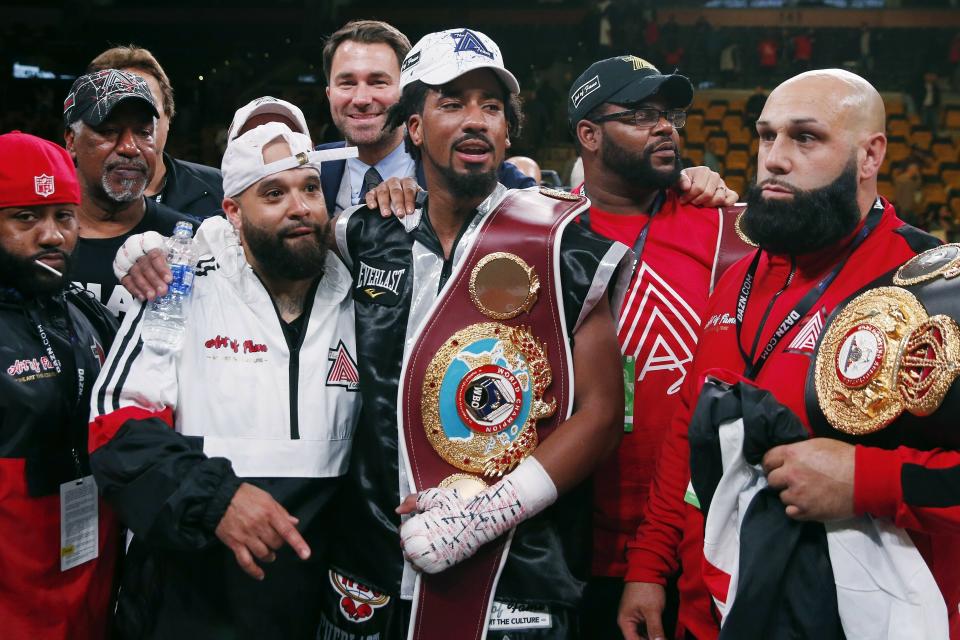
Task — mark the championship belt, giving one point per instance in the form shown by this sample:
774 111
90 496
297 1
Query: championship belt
893 351
489 376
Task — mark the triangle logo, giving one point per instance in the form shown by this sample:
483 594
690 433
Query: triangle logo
806 339
343 369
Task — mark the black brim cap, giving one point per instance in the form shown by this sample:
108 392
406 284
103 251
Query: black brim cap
625 80
94 96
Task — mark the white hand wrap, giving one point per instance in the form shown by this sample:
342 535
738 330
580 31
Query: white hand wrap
135 247
450 528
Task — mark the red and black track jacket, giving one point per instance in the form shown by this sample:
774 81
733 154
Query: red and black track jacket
42 427
672 532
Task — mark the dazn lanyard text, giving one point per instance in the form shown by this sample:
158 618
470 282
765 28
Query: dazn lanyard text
754 363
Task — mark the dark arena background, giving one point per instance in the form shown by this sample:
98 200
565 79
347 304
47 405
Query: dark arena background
219 55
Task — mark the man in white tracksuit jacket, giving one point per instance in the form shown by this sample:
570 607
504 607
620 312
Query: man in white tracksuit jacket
221 457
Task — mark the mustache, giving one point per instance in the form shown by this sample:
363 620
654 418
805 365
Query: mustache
472 136
49 252
134 164
318 228
773 182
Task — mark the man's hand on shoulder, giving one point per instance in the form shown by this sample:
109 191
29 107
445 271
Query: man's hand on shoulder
148 277
394 196
141 265
255 526
703 187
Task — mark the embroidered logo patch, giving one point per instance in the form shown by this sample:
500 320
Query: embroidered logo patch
379 282
806 339
343 369
411 61
469 41
358 602
43 185
584 90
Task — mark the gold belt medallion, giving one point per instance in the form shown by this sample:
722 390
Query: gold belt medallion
882 355
482 396
942 261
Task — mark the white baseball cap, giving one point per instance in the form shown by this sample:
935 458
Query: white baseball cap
443 56
243 163
266 105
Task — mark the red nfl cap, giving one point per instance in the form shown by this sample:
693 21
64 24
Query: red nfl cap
34 171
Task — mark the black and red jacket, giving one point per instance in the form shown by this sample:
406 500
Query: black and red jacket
672 532
43 426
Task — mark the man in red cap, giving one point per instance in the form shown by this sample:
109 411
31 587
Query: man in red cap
59 543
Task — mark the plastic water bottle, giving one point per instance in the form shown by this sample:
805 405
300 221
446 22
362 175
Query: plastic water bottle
165 319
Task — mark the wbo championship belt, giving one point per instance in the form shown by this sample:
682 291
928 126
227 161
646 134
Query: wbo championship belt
892 353
489 376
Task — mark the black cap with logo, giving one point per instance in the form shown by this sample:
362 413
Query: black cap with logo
93 96
625 80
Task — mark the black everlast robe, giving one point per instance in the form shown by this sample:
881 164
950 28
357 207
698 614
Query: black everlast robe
549 556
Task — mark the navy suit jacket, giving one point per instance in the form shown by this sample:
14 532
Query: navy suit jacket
331 174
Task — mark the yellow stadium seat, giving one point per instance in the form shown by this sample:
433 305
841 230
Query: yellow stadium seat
897 150
898 127
885 187
952 118
944 150
695 156
715 112
934 193
921 138
950 174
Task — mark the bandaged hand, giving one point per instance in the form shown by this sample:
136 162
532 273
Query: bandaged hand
450 528
134 248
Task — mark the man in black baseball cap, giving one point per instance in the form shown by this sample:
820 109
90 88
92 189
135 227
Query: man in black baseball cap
110 121
625 116
625 80
93 96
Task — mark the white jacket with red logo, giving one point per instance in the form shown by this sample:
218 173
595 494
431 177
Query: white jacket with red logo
173 434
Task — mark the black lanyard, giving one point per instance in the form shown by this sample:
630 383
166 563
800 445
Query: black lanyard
754 363
79 382
641 239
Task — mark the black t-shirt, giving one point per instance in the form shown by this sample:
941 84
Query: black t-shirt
549 557
92 264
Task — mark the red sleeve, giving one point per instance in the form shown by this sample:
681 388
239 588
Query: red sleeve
652 556
918 490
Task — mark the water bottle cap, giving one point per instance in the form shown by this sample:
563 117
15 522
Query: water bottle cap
183 227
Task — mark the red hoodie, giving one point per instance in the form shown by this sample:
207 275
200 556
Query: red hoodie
672 532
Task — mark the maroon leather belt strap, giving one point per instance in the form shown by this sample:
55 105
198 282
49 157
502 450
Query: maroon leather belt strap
730 246
527 224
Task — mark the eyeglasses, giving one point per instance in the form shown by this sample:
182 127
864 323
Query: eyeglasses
647 118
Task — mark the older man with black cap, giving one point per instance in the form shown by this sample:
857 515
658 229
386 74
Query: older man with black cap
109 118
221 458
60 545
625 117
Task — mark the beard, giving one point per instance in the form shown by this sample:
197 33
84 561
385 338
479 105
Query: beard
129 189
468 185
24 275
279 260
813 219
637 167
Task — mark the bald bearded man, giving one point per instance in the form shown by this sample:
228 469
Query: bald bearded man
822 233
